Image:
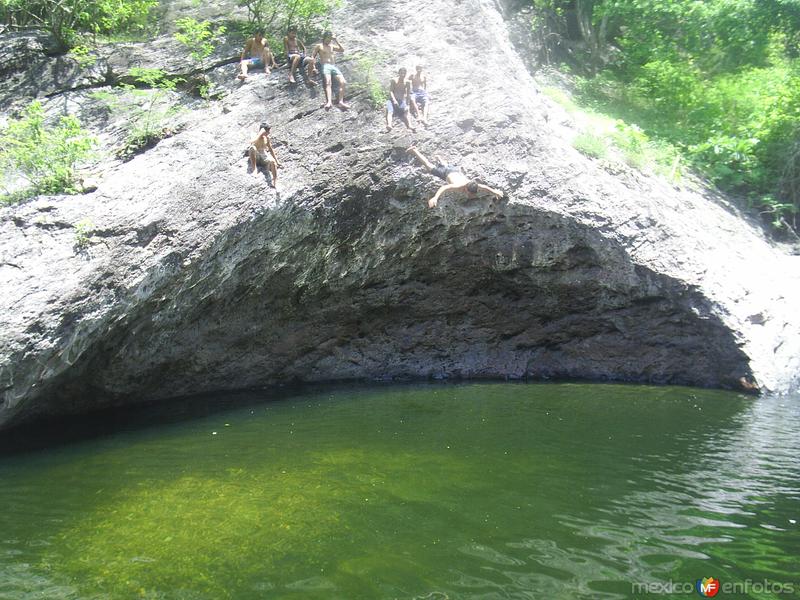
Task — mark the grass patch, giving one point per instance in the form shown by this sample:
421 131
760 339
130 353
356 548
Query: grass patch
618 141
591 144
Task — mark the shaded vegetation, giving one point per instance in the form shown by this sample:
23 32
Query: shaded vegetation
366 80
148 107
67 19
272 15
718 81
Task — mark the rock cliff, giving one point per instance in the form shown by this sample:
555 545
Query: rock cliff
198 276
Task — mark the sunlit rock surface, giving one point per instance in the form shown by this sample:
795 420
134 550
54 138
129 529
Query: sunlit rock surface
198 276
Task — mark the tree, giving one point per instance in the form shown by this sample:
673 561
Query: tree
66 19
44 156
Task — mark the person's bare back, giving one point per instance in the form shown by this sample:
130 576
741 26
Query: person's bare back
456 180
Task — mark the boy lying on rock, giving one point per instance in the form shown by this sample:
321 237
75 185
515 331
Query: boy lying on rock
456 180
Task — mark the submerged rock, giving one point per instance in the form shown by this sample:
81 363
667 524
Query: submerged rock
194 275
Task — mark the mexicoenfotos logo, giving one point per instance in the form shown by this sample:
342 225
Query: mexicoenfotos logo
707 586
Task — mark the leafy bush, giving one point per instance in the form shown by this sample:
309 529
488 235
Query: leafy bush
83 233
264 14
718 80
633 144
44 156
199 37
149 119
367 81
66 19
83 56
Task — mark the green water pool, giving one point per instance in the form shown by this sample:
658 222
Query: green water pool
430 491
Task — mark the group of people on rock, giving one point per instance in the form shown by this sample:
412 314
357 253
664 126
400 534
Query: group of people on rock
406 95
257 54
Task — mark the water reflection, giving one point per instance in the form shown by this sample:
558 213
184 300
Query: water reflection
479 491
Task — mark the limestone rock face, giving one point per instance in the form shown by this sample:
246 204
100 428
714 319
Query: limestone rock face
195 275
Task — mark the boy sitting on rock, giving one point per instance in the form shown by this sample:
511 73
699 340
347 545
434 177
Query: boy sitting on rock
257 153
256 54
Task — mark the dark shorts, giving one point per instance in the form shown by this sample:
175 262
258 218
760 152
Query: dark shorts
400 108
291 56
443 171
254 62
420 97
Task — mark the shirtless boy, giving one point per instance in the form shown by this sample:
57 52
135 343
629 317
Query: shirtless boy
419 94
257 153
456 180
399 89
296 55
325 51
256 54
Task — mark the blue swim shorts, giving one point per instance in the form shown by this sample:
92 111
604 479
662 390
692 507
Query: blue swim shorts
328 70
401 108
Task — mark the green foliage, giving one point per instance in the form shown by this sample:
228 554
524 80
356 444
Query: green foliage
199 37
267 14
261 13
83 233
149 119
367 82
618 141
147 106
303 12
153 78
82 55
633 144
44 156
590 144
67 19
718 79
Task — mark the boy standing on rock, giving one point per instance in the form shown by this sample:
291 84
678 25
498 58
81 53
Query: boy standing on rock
419 95
257 153
399 89
256 54
325 51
